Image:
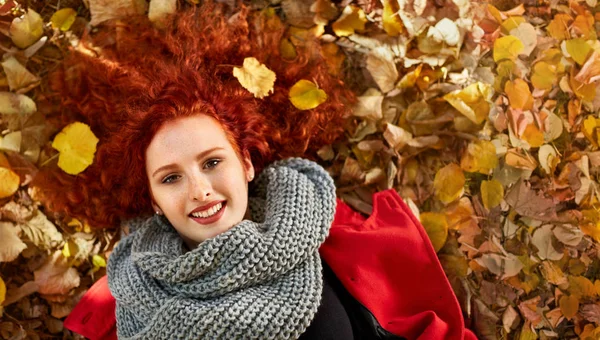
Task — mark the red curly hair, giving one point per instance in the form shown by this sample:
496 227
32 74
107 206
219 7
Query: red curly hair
146 76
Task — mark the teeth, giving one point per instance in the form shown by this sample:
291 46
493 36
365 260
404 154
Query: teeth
209 212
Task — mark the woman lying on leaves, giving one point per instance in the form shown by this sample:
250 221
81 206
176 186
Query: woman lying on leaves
227 225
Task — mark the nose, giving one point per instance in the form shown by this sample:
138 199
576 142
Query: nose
200 188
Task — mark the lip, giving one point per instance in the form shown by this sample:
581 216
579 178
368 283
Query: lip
206 207
212 219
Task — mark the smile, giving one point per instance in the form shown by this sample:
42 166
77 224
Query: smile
211 215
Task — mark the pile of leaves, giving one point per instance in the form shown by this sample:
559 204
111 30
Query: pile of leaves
484 117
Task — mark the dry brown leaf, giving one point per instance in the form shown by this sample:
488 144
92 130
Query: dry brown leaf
542 240
41 232
298 12
56 276
527 202
103 10
380 63
17 75
10 243
160 9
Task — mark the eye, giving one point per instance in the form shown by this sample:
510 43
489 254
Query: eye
169 179
211 163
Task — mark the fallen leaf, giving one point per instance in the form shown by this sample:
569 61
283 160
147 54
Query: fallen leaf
518 94
17 75
2 292
590 71
369 105
55 276
472 101
568 234
77 146
27 29
558 28
324 11
449 183
510 319
160 9
460 214
578 49
334 57
542 240
13 104
507 47
255 77
492 193
590 127
569 306
533 136
381 66
545 75
530 311
436 226
103 10
553 274
548 158
396 137
9 182
298 12
480 156
503 266
98 262
530 203
520 160
63 19
305 95
528 36
392 24
10 243
591 312
445 31
353 19
581 286
41 232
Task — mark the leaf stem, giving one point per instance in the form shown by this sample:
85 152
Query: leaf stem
49 159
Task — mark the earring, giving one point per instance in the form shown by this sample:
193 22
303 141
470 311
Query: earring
158 213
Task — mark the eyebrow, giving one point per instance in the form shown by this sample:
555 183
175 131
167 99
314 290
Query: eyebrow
200 155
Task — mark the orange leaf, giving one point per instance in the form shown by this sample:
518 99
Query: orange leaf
533 136
518 94
569 305
559 26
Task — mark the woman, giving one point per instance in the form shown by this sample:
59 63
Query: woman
225 226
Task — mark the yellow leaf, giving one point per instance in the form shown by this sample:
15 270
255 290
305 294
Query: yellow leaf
334 57
63 19
569 305
98 262
2 291
9 182
579 49
472 101
511 23
533 136
77 146
582 90
590 128
287 49
436 226
480 156
392 24
559 26
518 94
507 47
590 225
70 249
460 214
305 95
492 193
590 332
255 77
4 161
26 29
544 75
449 183
352 19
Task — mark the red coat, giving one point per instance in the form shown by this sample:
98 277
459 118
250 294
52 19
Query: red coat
385 262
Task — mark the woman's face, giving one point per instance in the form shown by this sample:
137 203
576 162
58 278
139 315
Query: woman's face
197 179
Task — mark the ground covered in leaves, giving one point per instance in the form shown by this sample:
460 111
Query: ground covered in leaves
484 117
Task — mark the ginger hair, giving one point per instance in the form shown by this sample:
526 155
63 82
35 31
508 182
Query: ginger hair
144 76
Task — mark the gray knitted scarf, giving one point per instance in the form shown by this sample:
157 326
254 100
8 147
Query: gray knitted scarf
260 279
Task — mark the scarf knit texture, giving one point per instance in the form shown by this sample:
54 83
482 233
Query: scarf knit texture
261 279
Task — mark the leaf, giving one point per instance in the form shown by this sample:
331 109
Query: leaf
9 182
55 276
510 319
581 287
2 291
103 10
381 66
590 127
436 226
17 76
63 19
503 266
255 77
552 273
369 105
449 183
533 136
590 71
13 104
27 29
334 57
544 75
480 156
10 243
392 24
396 137
591 312
70 249
518 94
352 19
578 49
41 232
527 35
305 95
507 47
558 28
492 193
548 158
472 101
518 159
568 234
98 262
160 9
298 13
528 202
460 214
324 11
445 31
542 240
77 146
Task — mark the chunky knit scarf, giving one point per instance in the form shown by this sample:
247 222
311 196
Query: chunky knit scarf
260 279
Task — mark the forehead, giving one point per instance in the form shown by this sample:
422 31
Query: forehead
188 134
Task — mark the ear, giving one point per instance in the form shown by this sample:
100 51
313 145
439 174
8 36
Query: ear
155 206
248 166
